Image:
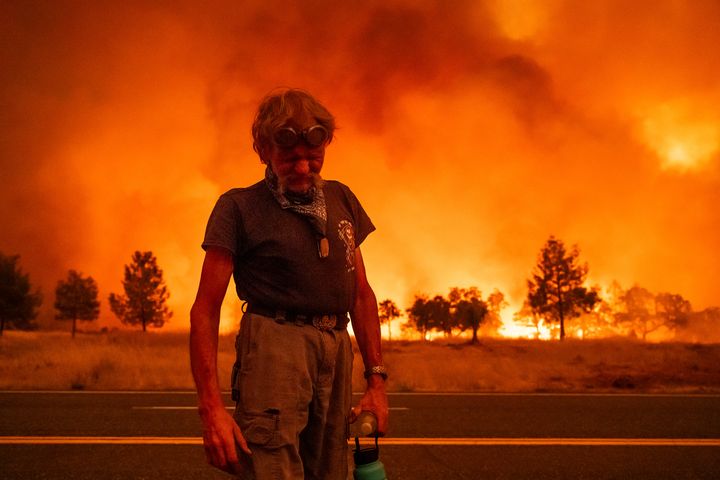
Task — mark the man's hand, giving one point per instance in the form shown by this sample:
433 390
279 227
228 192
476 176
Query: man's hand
220 436
375 401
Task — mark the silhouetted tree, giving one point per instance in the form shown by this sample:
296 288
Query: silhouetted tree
556 290
638 310
145 293
388 311
419 315
18 305
439 315
76 298
672 310
469 309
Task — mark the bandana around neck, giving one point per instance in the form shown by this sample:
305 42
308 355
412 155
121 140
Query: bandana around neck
310 205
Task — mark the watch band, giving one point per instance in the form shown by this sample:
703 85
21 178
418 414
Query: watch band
377 370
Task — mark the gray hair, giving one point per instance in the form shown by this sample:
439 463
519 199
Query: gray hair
279 106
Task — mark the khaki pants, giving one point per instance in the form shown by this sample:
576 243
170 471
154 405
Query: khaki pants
295 394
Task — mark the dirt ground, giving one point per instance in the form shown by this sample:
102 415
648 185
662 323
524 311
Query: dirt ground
159 361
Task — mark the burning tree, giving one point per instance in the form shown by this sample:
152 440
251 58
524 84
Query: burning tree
556 290
388 311
18 305
495 303
145 293
469 309
648 313
673 310
639 310
76 298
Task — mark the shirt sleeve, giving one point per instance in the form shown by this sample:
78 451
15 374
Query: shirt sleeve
362 223
223 226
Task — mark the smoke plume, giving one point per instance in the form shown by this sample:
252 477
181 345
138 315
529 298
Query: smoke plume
470 131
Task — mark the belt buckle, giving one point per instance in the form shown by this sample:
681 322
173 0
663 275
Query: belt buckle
324 322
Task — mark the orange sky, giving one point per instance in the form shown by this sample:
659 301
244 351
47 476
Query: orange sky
470 133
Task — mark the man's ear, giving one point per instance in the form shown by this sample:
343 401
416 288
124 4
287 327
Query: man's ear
262 153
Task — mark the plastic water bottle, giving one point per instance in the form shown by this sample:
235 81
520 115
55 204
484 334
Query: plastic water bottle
367 460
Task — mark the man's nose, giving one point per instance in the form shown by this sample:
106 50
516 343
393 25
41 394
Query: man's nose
302 166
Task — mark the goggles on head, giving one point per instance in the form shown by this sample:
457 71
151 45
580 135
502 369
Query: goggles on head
288 137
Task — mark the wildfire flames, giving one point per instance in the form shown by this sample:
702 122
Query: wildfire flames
470 132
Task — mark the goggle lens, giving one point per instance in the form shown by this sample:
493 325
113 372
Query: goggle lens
288 137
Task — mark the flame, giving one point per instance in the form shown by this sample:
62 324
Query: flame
683 142
512 328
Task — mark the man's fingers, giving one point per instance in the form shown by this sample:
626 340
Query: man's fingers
240 440
215 452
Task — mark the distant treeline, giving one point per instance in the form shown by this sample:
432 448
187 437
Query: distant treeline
76 297
557 301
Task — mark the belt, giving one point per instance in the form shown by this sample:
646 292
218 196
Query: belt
322 322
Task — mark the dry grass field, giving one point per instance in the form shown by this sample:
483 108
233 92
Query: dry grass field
159 361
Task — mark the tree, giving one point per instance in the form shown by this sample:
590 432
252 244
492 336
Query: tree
495 302
639 310
526 316
418 315
18 305
672 310
469 309
648 313
388 312
145 293
439 318
76 298
556 290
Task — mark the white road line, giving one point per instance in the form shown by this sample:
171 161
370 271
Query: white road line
171 408
595 442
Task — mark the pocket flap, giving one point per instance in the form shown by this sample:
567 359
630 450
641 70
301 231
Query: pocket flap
259 428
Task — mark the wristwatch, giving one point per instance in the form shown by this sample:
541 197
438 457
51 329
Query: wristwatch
377 370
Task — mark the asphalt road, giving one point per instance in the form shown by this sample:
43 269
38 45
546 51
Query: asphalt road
76 435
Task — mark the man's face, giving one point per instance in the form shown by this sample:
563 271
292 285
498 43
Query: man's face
297 168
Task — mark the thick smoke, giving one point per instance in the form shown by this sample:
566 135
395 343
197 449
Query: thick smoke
471 133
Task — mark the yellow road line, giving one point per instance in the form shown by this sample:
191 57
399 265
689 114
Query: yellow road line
185 407
653 442
60 440
685 442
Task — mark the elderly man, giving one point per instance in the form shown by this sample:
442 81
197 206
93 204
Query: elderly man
292 243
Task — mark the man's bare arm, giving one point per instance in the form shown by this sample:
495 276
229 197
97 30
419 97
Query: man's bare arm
366 327
220 432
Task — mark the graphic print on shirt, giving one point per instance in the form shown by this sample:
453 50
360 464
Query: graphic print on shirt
347 235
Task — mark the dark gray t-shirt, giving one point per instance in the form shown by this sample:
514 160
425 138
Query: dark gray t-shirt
276 251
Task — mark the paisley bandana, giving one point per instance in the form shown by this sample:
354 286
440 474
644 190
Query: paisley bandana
310 205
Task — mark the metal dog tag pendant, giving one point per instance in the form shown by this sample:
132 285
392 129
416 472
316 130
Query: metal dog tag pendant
323 247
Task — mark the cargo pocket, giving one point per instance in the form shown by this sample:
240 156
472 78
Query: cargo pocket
261 428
